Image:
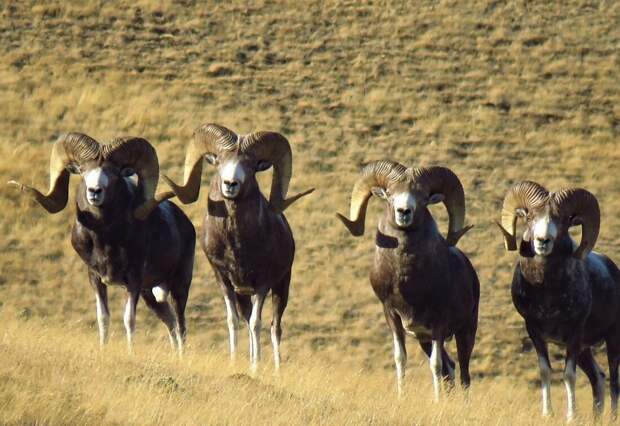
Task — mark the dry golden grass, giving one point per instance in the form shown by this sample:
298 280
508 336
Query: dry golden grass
496 91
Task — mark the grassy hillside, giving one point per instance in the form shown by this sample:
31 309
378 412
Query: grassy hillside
496 91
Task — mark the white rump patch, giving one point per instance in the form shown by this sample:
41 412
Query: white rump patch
161 294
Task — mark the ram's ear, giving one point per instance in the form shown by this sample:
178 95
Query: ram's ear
211 159
576 220
379 192
263 165
74 168
435 198
127 171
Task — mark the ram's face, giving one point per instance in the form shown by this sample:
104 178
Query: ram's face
101 181
404 202
236 172
544 228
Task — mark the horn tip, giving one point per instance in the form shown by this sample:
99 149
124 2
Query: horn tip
356 229
289 201
453 237
180 192
510 242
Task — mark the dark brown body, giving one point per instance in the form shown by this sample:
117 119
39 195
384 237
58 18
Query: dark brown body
251 250
574 303
248 245
134 254
427 288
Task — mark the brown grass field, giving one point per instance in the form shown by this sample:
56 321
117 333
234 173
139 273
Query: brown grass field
497 91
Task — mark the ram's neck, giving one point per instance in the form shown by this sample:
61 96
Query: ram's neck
115 214
423 238
540 270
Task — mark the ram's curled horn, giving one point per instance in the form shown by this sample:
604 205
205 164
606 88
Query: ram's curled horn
524 195
374 174
275 148
208 139
441 180
139 155
580 205
68 153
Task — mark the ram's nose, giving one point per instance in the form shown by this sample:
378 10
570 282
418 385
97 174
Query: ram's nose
96 191
231 184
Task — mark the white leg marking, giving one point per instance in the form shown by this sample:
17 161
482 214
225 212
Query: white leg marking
545 381
275 342
174 332
233 323
103 320
400 359
251 341
160 293
255 323
436 365
130 320
570 376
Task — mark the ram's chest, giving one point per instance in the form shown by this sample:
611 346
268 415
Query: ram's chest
111 263
405 278
553 305
239 261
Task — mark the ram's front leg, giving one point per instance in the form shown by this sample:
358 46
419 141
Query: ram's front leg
570 377
545 368
254 325
103 313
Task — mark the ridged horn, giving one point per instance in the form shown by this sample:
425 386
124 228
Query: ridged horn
441 180
138 154
578 202
69 150
525 195
275 148
374 174
208 139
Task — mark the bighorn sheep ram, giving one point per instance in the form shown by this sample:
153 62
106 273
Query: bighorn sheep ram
566 293
427 286
247 239
122 232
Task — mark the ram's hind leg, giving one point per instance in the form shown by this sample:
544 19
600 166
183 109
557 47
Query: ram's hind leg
164 312
465 341
245 306
179 290
588 364
279 300
447 363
